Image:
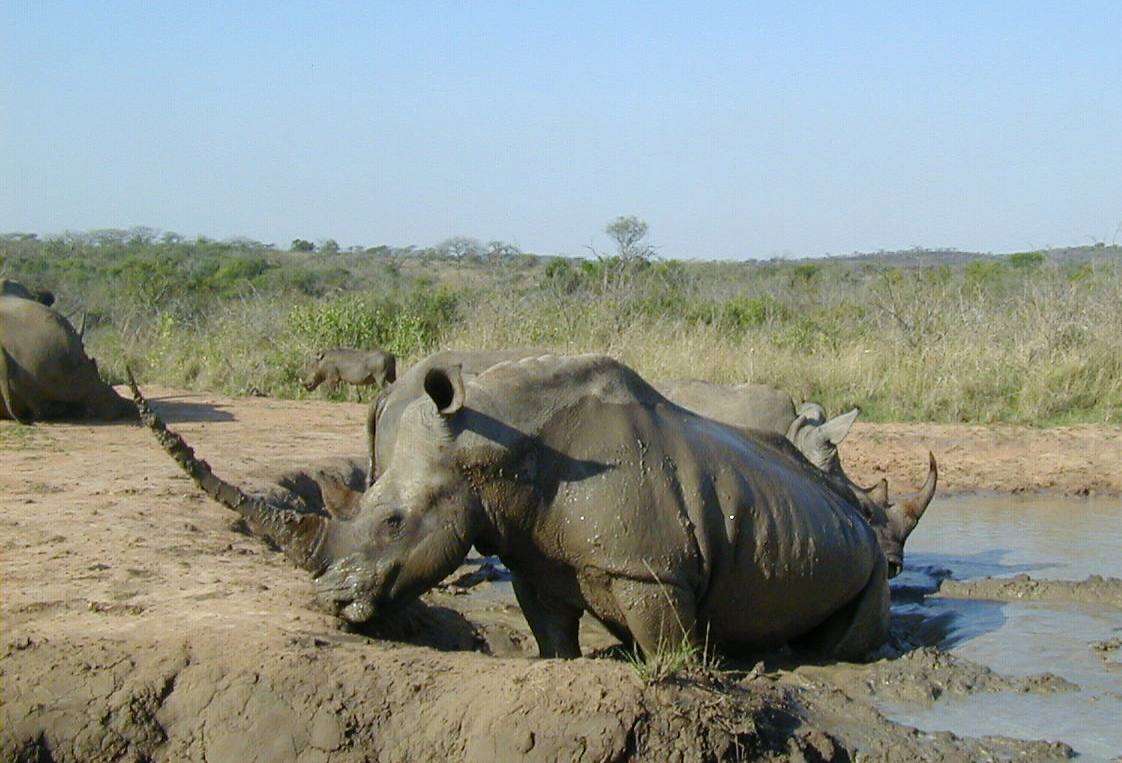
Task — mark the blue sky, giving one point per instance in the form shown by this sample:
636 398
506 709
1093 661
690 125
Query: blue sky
736 130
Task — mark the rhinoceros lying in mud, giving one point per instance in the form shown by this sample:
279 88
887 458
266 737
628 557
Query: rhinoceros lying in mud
744 406
44 370
351 366
758 406
10 288
599 495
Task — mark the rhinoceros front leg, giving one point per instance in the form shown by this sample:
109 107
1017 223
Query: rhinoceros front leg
555 624
660 615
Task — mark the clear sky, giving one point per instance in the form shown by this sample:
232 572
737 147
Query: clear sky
736 130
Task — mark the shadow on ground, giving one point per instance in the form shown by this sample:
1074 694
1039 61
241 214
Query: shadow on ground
175 410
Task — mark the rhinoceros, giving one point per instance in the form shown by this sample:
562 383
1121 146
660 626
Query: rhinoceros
601 496
351 366
44 370
10 288
742 406
817 437
758 406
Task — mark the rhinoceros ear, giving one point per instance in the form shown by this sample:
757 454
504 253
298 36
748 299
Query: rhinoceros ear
445 387
837 428
879 492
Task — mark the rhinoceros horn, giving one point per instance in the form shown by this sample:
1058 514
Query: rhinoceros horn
912 508
300 535
878 493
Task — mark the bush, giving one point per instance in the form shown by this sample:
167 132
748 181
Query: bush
1026 260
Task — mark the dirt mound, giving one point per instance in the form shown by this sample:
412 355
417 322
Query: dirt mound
138 624
1094 590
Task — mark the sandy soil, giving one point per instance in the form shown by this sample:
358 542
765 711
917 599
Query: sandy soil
1075 460
139 623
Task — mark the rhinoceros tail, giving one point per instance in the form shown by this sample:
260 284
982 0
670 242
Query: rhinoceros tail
6 395
301 535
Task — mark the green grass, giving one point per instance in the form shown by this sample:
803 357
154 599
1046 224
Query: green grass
1032 338
669 661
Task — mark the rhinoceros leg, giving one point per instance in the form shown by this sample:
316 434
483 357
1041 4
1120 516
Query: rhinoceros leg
555 625
659 615
8 400
859 628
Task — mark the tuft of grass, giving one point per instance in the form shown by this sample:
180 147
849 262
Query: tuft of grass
673 655
673 659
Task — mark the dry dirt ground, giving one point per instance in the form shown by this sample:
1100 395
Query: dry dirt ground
139 623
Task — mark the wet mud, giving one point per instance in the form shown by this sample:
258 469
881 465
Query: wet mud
138 624
1095 589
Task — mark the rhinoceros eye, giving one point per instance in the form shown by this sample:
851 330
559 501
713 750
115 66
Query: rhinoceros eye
393 523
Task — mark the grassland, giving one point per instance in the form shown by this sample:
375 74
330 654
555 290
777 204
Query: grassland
1032 337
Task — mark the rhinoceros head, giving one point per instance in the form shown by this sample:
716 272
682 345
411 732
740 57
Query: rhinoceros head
818 438
415 524
410 530
893 523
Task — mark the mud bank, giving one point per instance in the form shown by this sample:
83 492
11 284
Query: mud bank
1094 590
139 624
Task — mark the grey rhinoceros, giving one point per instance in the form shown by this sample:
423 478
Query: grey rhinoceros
742 406
10 288
758 406
44 370
360 367
601 496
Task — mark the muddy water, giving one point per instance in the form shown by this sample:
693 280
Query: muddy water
1046 538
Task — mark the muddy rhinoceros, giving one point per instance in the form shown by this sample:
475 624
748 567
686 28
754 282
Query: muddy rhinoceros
44 370
601 496
758 406
742 406
359 367
10 288
817 437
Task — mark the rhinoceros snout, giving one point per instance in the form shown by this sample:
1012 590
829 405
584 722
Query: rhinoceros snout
352 587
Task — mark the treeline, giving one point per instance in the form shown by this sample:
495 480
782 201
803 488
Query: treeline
1033 337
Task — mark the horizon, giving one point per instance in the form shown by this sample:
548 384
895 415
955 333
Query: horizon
123 236
736 133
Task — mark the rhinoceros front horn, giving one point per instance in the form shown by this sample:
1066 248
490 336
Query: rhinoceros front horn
914 506
301 535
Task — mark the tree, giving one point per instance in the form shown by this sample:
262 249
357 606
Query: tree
628 233
498 250
330 246
302 245
632 255
459 247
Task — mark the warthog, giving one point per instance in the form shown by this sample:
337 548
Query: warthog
601 496
44 370
350 366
